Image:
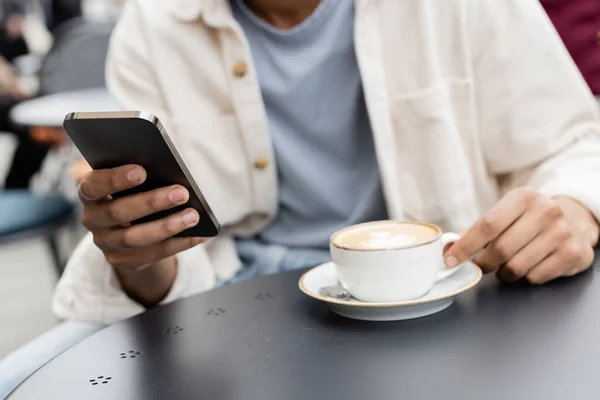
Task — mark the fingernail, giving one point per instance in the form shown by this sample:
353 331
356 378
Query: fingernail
176 196
451 261
134 175
190 218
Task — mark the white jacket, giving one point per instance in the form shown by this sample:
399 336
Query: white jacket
467 98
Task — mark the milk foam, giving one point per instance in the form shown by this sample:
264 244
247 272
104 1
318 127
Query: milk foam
386 239
384 235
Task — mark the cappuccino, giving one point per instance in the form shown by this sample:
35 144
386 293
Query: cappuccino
384 235
390 261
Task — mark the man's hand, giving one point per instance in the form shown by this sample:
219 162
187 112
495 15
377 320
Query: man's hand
142 253
134 247
528 235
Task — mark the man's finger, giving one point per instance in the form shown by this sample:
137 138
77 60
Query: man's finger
549 269
149 233
126 209
174 246
133 258
527 259
512 240
487 228
533 254
569 259
98 184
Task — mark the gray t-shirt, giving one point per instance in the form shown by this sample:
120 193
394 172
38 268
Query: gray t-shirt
312 90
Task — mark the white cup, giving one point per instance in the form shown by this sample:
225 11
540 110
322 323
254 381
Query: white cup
392 274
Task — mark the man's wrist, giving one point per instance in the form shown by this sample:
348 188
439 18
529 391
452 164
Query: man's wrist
150 284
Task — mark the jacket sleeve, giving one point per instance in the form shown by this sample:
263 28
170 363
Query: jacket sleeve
89 289
539 121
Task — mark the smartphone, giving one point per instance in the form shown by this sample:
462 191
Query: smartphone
113 139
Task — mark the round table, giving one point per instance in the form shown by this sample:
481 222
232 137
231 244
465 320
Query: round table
51 110
265 340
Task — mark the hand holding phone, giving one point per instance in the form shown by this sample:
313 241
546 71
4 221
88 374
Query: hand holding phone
134 246
140 202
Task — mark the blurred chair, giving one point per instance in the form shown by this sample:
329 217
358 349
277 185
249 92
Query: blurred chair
102 10
77 59
62 11
75 62
24 215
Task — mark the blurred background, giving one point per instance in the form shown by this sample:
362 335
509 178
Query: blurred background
52 55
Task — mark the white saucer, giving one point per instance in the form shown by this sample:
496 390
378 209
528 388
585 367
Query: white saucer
439 297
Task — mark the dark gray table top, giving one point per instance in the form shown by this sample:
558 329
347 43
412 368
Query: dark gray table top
265 340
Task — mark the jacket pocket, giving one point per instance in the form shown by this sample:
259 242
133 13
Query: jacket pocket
213 152
433 149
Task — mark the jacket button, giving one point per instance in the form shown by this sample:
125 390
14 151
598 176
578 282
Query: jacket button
240 69
261 163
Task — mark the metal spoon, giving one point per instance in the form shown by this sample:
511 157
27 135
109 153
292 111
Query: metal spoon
335 292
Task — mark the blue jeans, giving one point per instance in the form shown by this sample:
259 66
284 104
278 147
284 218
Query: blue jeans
257 258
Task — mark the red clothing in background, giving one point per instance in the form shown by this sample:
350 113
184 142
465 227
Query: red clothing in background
578 23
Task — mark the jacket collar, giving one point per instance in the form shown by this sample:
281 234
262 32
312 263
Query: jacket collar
191 10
